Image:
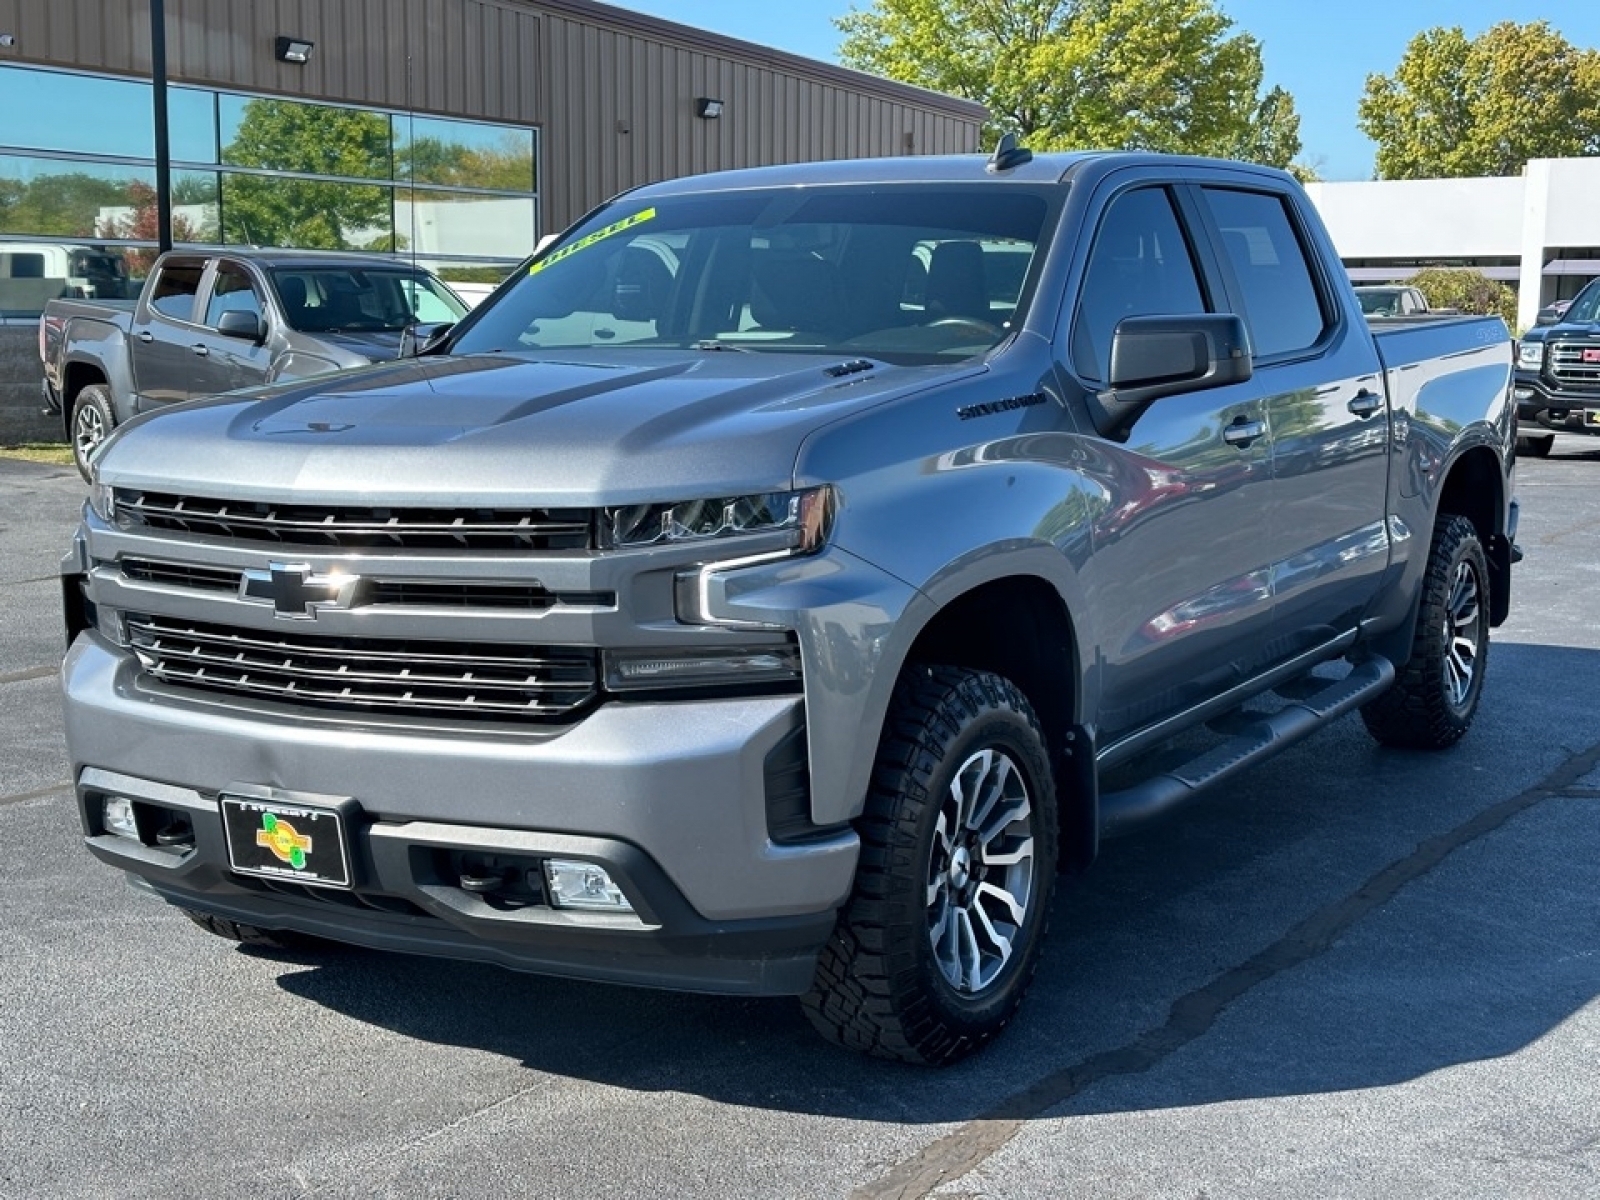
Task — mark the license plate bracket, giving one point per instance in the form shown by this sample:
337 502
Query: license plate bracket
288 840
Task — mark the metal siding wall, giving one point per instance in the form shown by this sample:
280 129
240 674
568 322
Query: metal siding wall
504 60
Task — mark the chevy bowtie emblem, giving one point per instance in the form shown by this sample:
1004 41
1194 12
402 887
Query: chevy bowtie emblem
296 593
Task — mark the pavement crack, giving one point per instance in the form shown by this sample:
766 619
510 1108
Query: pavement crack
1192 1015
36 794
28 673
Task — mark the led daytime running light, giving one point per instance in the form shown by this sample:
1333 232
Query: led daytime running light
721 517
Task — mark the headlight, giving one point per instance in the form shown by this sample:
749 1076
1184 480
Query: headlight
1530 355
102 499
808 513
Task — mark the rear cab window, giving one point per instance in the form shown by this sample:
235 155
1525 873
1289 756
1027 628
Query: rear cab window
1283 307
174 290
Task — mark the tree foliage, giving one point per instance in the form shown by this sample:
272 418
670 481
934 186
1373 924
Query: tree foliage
267 210
1119 74
1459 106
1467 291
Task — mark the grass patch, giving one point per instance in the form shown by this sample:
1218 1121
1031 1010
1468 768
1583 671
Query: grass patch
56 453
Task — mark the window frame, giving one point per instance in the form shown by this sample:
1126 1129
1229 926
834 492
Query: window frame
202 287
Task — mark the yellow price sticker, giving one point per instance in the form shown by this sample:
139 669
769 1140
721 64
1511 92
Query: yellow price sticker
599 235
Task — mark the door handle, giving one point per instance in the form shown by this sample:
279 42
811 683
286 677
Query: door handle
146 336
1243 431
1365 403
201 350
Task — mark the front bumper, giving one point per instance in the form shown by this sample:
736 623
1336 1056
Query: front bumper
669 798
1539 404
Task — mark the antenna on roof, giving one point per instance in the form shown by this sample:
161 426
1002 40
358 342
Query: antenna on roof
1008 154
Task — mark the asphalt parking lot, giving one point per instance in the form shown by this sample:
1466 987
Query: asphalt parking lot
1359 973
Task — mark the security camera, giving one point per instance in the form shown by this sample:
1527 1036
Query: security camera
8 40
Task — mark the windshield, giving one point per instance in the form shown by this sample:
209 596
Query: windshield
1586 308
906 273
355 299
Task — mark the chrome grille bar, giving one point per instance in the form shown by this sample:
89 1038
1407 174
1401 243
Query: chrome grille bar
421 678
1568 365
355 526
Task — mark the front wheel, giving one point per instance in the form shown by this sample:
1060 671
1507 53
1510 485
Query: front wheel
1536 447
1432 703
942 934
92 420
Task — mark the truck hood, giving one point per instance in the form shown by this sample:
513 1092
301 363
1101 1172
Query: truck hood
609 426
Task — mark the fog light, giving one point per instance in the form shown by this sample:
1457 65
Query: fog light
583 885
1522 393
116 814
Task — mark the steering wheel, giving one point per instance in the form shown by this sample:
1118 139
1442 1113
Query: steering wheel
969 324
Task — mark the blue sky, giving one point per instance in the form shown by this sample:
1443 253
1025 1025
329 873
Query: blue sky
1320 52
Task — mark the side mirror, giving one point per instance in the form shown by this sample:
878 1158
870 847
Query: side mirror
417 340
1156 357
1546 317
247 326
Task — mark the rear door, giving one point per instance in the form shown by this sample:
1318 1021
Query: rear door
1325 407
165 331
1179 580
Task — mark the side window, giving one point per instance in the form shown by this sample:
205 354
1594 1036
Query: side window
231 292
1280 299
1140 266
173 292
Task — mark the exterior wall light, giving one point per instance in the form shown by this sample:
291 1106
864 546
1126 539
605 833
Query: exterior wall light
292 50
707 109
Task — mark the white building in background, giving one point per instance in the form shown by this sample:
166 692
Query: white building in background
1538 232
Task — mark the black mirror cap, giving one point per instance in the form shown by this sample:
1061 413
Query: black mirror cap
424 338
248 326
1156 357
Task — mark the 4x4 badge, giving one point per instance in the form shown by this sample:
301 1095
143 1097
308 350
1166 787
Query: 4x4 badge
295 592
286 842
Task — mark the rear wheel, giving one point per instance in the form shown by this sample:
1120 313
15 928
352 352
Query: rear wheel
92 421
1432 703
941 937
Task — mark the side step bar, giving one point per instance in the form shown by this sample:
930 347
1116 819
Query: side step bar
1261 739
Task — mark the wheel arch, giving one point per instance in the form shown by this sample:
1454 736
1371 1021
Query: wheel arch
77 375
1475 488
1020 627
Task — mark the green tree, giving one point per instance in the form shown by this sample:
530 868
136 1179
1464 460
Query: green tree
281 135
1467 291
1125 74
1459 106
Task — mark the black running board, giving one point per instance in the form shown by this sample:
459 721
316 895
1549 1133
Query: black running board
1257 741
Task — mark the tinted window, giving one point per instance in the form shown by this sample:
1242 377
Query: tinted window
231 292
1140 267
174 290
1280 299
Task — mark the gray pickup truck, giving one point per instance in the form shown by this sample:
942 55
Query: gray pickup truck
207 323
784 577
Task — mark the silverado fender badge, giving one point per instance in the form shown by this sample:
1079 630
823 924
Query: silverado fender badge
989 408
294 592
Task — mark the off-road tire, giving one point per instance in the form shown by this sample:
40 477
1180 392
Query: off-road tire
1420 711
92 422
252 935
879 986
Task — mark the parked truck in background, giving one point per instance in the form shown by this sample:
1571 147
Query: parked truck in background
206 323
1558 375
784 577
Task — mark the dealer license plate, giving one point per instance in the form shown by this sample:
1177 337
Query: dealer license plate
1592 416
296 842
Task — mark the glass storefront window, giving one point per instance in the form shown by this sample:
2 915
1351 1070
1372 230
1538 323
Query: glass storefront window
305 139
267 210
75 114
192 125
463 154
463 223
52 197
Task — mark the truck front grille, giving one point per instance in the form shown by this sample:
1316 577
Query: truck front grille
419 678
358 526
1576 364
